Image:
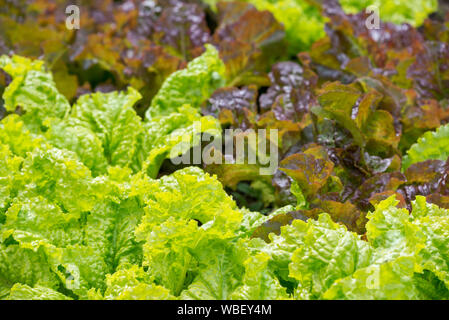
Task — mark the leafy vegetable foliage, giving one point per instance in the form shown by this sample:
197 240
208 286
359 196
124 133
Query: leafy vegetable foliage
433 145
90 208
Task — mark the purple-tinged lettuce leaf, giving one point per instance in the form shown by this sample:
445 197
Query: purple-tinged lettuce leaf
248 43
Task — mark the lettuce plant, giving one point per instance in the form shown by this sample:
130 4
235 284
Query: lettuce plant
83 217
431 146
91 207
304 23
412 12
302 20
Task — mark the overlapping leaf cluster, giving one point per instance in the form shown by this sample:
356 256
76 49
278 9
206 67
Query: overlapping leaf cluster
138 43
348 115
80 219
92 208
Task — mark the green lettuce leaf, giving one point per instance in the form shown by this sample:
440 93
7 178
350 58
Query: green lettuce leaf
24 292
192 85
184 209
110 229
60 177
167 137
413 12
431 146
387 281
281 248
32 89
112 118
408 250
73 134
220 269
42 231
78 267
132 284
302 21
9 178
403 256
167 251
191 193
14 134
25 266
329 252
33 220
259 281
434 223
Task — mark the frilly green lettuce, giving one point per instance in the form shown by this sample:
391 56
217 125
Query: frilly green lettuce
401 249
83 217
170 136
431 146
131 284
112 118
32 89
302 21
259 281
192 85
24 292
404 11
184 210
103 129
329 252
